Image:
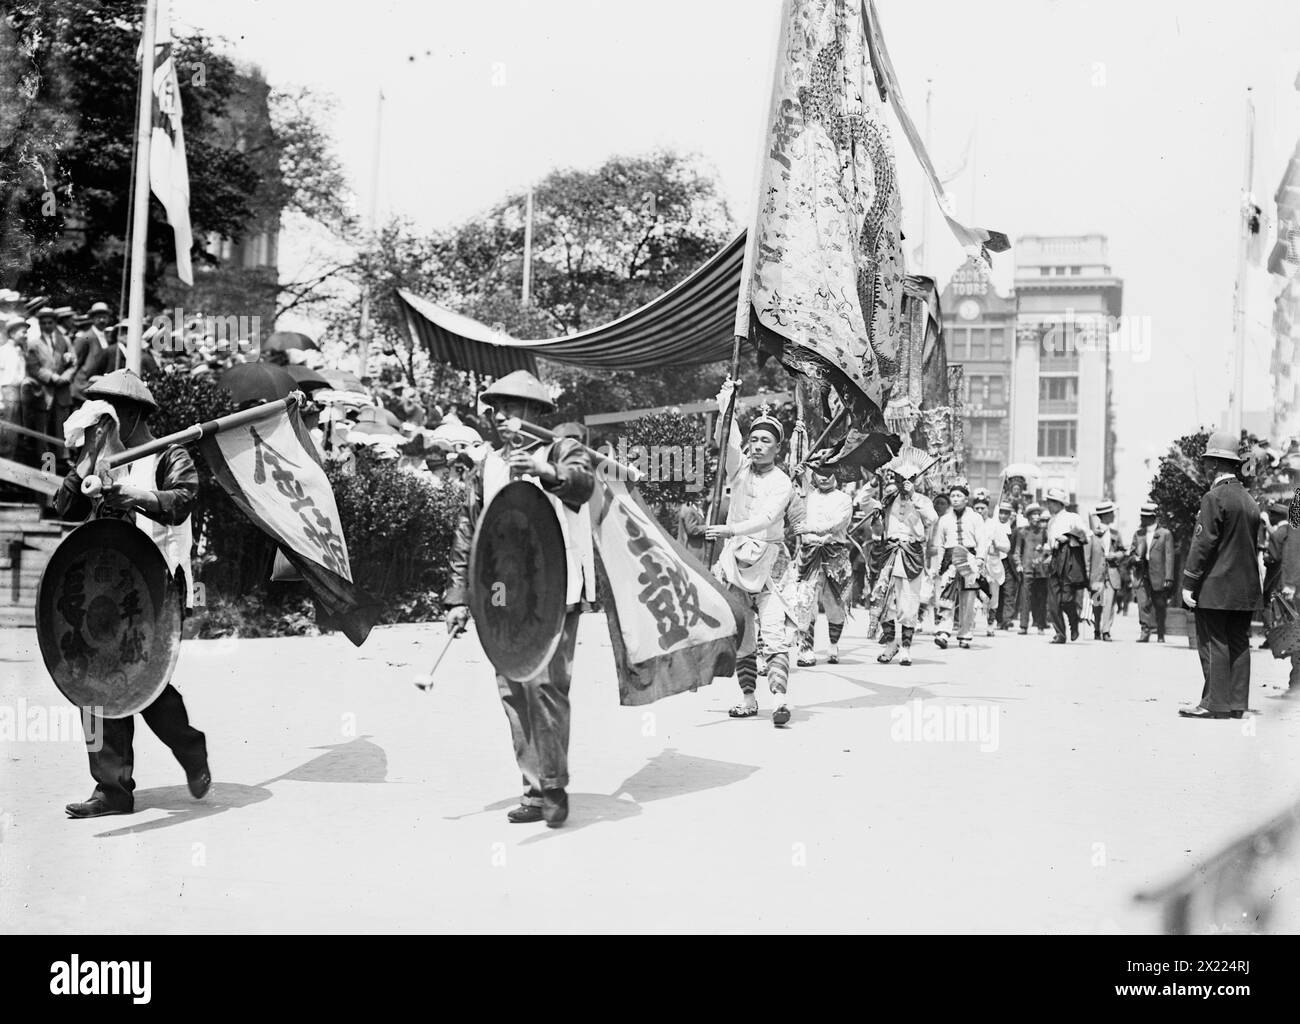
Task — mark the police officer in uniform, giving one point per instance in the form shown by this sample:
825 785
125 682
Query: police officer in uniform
1221 582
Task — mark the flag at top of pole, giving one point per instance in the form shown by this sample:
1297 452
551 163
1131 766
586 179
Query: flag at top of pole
169 174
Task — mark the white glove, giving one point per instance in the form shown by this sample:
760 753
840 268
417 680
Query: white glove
1188 599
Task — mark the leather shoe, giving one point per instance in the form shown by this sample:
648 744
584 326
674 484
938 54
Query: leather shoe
1200 712
1145 638
1057 640
524 814
1105 637
555 807
93 808
199 782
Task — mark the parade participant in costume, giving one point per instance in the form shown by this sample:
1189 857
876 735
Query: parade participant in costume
821 567
1152 553
1282 575
1221 582
1104 571
963 540
908 518
933 559
158 493
1278 529
537 709
754 557
1033 562
1066 537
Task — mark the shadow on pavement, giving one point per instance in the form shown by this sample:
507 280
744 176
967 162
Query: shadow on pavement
358 760
665 775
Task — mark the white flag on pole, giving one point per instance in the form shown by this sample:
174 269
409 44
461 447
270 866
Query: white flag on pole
169 175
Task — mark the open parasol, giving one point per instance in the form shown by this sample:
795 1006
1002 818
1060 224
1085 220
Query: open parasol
341 380
257 382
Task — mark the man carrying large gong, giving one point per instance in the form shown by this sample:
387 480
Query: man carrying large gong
157 493
536 705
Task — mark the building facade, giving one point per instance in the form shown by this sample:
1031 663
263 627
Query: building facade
979 328
1038 365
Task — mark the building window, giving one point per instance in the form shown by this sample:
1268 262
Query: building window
996 388
997 343
1057 439
1044 271
979 343
1058 395
1075 271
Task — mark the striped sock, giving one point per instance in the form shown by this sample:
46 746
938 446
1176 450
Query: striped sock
836 629
778 671
747 673
908 633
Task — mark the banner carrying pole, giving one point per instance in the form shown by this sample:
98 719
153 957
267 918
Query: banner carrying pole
201 430
140 221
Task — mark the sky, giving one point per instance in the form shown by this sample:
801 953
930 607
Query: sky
1075 116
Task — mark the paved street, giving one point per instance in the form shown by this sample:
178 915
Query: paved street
347 800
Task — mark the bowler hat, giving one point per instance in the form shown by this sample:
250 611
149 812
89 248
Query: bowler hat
122 384
1222 445
520 385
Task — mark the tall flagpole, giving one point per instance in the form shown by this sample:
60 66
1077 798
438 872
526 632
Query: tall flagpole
140 220
527 297
371 215
1236 405
924 261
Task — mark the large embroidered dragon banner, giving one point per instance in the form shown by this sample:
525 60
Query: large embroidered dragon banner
825 274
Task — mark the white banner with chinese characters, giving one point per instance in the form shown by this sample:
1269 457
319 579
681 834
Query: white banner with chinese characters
270 470
672 625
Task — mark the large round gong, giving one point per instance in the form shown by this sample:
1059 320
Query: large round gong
108 618
518 580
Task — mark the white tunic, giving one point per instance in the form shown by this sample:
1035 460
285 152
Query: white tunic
175 542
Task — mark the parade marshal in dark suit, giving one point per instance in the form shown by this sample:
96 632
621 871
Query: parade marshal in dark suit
1221 581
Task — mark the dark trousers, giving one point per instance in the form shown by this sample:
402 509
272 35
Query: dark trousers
1152 604
1009 598
1033 601
538 712
1223 642
1062 604
111 765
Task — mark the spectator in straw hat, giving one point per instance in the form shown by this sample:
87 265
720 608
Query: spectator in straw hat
13 371
1066 539
1106 551
1221 582
1152 555
88 347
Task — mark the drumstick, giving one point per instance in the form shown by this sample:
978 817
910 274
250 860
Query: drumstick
427 684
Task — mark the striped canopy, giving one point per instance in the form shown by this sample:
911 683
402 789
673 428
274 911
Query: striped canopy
689 324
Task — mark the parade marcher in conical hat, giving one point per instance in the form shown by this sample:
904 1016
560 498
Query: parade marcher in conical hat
159 493
538 709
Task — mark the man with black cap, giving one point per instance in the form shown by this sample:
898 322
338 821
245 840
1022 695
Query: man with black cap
91 349
962 537
1221 582
754 557
538 709
1152 555
163 489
